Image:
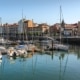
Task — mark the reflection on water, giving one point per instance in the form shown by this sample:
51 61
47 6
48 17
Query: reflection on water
55 65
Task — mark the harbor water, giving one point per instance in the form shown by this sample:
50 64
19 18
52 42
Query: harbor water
48 65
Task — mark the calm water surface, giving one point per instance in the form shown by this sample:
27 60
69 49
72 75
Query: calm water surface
54 65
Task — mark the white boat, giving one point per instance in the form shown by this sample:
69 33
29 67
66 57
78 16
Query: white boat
31 47
0 55
60 47
12 52
21 50
55 45
2 40
3 49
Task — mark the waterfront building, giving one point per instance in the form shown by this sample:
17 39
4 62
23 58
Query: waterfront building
21 29
21 24
10 31
71 29
79 28
67 30
33 29
5 31
28 28
0 30
13 31
54 30
43 27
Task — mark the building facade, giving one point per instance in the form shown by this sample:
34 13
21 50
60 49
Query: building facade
79 28
68 30
10 31
1 30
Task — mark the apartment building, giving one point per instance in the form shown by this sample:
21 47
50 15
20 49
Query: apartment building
5 30
54 30
10 31
44 29
71 29
79 28
13 31
34 28
67 30
0 30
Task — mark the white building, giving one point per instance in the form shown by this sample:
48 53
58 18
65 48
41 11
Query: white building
21 24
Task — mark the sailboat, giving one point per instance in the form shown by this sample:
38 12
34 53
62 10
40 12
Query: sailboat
2 41
60 46
56 45
21 48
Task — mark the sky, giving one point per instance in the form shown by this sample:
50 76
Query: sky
41 11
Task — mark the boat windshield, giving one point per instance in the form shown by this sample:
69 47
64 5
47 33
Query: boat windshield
20 47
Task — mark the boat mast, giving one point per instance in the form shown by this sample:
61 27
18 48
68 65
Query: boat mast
25 30
32 30
60 23
22 26
1 27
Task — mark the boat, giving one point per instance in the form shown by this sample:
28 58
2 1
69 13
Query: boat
21 50
53 45
61 47
2 40
0 55
12 52
58 45
3 50
31 47
2 45
21 47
